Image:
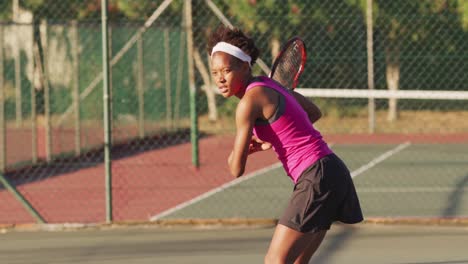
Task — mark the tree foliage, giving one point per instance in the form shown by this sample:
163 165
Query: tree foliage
432 31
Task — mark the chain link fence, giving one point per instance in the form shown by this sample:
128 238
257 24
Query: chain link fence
51 107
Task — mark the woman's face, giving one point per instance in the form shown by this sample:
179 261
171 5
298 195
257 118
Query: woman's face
230 74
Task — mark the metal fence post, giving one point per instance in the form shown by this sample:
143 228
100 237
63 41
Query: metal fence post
2 108
370 64
107 112
193 92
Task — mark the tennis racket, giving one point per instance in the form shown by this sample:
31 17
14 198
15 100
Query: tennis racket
289 64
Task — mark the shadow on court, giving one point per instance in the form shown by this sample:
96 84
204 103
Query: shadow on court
439 262
24 172
333 244
454 201
362 244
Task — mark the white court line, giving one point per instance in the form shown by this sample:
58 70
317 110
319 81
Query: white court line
409 189
380 158
216 190
355 173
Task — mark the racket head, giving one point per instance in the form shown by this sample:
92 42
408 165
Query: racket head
290 62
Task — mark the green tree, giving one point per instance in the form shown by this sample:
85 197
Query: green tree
408 28
268 17
5 10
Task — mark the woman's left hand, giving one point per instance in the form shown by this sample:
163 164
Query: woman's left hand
258 145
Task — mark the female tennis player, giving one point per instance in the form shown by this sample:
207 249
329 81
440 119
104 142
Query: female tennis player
271 116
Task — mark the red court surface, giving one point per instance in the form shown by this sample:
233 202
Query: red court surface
144 182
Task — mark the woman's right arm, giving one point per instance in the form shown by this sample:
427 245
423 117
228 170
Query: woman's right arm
311 109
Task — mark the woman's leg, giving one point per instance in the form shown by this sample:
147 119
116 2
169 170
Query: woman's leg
315 242
291 246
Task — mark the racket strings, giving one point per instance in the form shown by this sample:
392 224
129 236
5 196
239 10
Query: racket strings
290 65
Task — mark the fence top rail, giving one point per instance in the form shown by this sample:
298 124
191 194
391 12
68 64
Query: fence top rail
384 94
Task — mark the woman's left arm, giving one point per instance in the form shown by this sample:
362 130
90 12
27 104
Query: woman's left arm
312 110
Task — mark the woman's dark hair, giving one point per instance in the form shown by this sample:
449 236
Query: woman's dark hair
235 37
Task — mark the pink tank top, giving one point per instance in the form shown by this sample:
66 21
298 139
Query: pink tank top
296 142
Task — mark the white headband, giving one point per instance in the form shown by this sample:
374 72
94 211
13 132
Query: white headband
232 50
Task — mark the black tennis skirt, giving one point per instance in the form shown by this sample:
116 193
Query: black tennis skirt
324 193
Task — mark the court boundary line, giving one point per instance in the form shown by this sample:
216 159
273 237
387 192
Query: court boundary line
215 190
403 189
251 175
380 158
